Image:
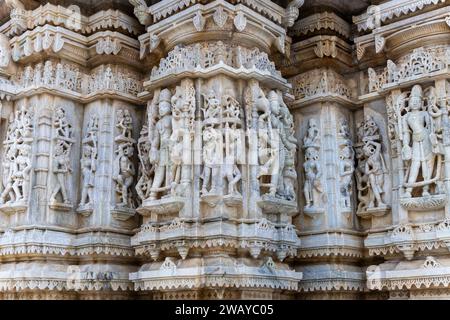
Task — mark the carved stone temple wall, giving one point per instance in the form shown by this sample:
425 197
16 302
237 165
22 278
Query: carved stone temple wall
241 149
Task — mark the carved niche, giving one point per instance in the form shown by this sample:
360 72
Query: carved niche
123 166
312 185
61 161
346 165
17 162
165 150
421 131
89 155
371 171
271 123
222 149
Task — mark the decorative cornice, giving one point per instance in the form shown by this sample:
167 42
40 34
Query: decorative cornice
398 37
45 242
71 45
269 9
321 21
389 10
262 236
314 285
71 19
69 80
408 239
320 83
239 276
413 275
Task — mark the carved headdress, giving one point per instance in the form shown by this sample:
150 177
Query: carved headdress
165 95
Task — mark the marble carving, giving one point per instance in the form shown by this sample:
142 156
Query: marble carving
250 149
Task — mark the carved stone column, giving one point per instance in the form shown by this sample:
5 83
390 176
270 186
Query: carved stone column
217 157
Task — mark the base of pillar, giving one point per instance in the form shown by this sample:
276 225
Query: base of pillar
60 206
167 205
11 208
272 205
122 214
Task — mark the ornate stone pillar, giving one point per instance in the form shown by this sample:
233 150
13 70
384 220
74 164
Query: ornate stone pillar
323 108
412 84
67 152
217 156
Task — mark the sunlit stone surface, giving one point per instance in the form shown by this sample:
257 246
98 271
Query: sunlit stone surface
224 149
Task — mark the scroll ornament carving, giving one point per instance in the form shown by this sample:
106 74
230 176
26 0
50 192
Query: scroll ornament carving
312 187
89 165
292 12
346 166
421 130
141 11
379 43
61 163
373 17
123 166
154 42
16 164
371 168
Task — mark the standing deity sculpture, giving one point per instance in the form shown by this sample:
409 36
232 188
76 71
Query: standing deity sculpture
183 113
16 164
160 144
312 187
371 167
89 163
346 165
212 144
123 166
221 147
233 143
212 158
272 123
421 139
61 166
123 174
233 147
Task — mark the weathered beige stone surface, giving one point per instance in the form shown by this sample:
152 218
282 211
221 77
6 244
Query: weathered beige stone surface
224 149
